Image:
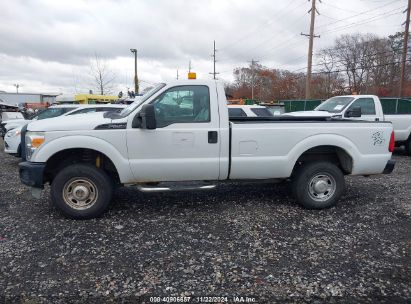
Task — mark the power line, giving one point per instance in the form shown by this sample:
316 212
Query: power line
360 68
254 46
354 69
353 16
364 21
342 60
267 22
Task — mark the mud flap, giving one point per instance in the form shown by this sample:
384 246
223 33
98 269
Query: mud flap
35 192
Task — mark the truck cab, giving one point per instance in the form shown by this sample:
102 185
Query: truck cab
348 106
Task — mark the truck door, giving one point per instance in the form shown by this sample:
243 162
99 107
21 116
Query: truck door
367 106
186 142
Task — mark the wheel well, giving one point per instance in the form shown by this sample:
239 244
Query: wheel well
79 155
333 154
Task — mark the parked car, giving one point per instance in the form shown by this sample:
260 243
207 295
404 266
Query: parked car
156 141
52 111
59 110
248 111
12 139
370 108
8 117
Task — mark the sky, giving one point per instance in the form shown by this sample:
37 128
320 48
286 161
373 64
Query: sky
47 46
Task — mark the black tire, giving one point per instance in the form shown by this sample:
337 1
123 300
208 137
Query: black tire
19 151
81 191
318 185
408 146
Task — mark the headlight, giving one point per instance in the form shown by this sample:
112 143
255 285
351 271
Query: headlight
13 133
33 141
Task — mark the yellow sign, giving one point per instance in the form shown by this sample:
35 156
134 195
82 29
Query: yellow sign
192 75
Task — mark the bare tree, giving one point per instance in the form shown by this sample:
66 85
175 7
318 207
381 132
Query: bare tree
330 81
103 78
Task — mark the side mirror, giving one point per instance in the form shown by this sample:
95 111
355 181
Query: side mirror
353 112
146 118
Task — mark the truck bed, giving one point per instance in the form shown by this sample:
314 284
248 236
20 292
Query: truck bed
263 148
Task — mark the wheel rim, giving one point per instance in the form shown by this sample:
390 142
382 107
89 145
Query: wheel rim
322 187
80 193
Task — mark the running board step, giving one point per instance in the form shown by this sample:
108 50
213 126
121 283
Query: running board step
159 188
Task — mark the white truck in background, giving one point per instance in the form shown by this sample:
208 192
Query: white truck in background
181 132
12 138
371 109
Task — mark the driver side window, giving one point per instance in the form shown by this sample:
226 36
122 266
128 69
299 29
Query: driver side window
366 104
183 104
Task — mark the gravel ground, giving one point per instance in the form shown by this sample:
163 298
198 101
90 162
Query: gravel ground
239 240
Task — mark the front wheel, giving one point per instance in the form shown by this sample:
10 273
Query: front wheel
318 185
408 146
81 191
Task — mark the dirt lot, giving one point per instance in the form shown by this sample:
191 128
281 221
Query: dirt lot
239 240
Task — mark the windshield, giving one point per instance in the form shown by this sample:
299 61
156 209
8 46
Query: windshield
335 104
52 112
138 102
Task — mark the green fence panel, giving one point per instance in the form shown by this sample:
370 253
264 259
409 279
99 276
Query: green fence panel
396 105
300 105
312 104
404 106
389 105
251 101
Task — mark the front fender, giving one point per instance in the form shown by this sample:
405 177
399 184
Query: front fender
50 148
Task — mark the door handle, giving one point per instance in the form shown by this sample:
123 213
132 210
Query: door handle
212 137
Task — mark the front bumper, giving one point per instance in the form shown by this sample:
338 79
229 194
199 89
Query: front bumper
389 167
11 145
3 130
31 174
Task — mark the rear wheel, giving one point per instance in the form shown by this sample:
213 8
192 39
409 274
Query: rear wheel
318 185
81 191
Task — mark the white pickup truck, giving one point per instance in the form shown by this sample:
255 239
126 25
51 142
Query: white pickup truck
180 132
398 112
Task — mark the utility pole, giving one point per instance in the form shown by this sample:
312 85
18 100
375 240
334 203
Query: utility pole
177 75
189 66
313 10
214 73
252 62
404 50
136 87
17 87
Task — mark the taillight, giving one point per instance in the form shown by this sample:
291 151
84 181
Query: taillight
392 142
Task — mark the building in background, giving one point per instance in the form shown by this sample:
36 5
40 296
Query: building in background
21 98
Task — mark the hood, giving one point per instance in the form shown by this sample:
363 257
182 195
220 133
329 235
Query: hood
310 114
15 121
88 121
